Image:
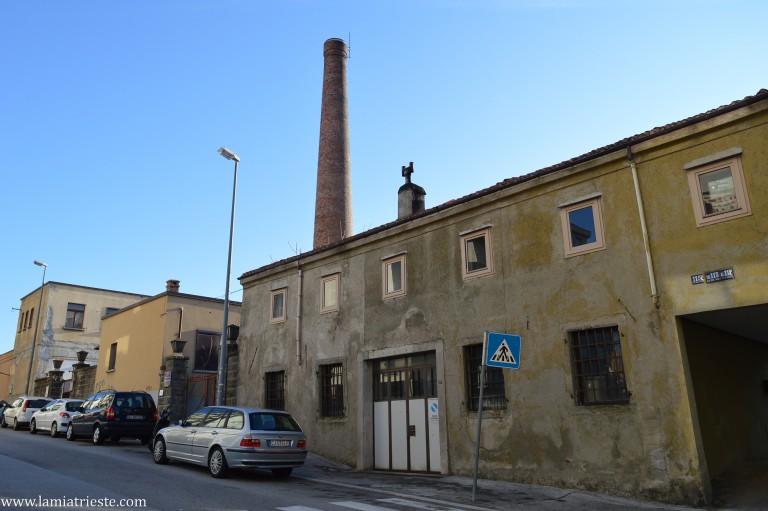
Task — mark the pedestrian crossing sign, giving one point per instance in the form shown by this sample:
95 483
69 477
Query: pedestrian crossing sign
503 350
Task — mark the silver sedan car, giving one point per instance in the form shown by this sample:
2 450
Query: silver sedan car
224 437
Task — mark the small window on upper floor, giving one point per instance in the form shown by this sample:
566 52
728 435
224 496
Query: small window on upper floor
112 356
718 191
476 254
75 314
31 315
277 308
329 289
393 276
582 227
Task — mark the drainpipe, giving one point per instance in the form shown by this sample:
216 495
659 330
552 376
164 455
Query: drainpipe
298 315
643 228
181 318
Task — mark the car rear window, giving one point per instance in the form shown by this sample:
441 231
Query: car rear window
134 401
37 403
273 422
72 406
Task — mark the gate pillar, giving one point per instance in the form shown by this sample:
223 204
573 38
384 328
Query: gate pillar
173 387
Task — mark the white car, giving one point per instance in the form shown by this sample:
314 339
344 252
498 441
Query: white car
20 412
54 417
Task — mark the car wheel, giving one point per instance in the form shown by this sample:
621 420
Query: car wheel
3 424
16 426
158 453
98 435
217 463
282 472
116 438
32 427
54 430
71 433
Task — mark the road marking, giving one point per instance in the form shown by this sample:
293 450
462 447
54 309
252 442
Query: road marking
360 506
418 505
298 508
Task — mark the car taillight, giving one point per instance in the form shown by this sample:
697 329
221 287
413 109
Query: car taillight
301 444
249 441
155 416
64 414
24 406
110 413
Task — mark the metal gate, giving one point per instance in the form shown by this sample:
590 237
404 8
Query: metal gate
201 392
406 428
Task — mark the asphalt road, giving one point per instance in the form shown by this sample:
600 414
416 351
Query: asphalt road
123 476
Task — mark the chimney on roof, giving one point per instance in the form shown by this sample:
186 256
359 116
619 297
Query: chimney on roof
172 286
333 200
410 196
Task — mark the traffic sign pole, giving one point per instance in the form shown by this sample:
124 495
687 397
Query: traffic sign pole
479 415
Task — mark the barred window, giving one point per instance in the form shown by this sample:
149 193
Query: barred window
494 394
274 390
332 390
598 366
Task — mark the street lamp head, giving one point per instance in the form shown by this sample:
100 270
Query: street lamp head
226 153
40 263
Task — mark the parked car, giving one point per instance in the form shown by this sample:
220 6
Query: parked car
54 417
19 413
224 437
113 414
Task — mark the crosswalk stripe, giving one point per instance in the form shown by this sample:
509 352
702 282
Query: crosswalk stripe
417 504
360 506
298 508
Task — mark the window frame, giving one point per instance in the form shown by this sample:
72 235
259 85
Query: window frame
112 357
327 280
385 265
282 318
274 390
694 172
465 238
610 374
216 345
331 382
74 310
494 388
597 219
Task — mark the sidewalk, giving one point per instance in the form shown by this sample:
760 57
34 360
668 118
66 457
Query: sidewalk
491 495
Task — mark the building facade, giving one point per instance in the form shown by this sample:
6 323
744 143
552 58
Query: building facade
69 322
136 344
635 275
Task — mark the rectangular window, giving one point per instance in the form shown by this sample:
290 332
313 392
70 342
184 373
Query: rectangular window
582 227
207 351
75 314
393 276
277 309
719 192
112 356
332 390
477 254
274 390
329 287
109 311
31 315
598 367
494 394
24 320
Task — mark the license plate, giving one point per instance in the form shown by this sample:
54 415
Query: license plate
134 417
279 443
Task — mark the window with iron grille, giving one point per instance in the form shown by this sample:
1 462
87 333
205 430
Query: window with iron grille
274 390
332 390
494 394
598 366
207 351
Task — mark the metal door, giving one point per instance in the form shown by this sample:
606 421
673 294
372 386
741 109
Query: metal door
405 415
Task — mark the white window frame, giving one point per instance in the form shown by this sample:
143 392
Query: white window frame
272 317
330 280
597 218
739 186
388 293
466 273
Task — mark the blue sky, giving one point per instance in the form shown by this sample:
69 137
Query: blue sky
112 112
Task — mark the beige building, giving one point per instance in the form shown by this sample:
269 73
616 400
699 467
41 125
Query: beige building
635 275
136 341
70 321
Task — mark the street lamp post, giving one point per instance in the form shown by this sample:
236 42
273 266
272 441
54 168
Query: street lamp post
37 325
222 377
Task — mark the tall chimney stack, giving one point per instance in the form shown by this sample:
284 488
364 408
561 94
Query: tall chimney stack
333 200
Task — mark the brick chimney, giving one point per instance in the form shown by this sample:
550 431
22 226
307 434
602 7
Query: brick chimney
410 196
172 286
333 200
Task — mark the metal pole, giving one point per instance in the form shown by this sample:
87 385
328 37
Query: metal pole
37 325
479 415
222 383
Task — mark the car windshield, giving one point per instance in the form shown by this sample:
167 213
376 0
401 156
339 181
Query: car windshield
267 421
37 403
